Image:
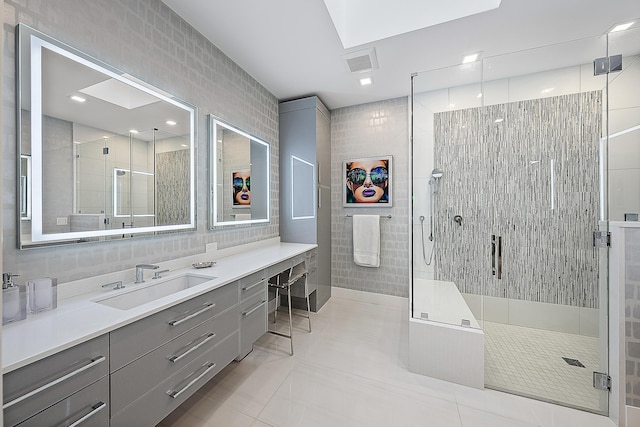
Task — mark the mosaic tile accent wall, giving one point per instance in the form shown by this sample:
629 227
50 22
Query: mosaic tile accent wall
632 314
374 129
500 164
172 204
149 41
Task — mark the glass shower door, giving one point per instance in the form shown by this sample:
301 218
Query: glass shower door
522 144
545 314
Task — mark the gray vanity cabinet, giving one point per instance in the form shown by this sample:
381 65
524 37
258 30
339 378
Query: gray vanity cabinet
61 389
305 153
88 407
253 310
162 359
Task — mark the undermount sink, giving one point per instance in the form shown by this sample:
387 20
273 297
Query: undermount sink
152 290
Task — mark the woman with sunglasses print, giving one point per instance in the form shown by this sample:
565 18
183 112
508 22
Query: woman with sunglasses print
242 187
367 181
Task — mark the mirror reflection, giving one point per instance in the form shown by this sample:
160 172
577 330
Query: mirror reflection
240 176
110 157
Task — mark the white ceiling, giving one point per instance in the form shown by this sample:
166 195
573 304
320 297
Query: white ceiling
293 49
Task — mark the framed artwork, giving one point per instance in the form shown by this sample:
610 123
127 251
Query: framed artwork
241 180
367 181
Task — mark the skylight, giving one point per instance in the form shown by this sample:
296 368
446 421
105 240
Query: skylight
363 21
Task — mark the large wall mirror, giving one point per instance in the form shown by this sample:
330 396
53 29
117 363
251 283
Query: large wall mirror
239 176
101 155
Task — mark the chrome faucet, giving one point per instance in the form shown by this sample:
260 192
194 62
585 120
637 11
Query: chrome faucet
140 271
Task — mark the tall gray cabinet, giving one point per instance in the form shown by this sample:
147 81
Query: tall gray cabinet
305 188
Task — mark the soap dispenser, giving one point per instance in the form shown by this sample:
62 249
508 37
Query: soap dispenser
14 299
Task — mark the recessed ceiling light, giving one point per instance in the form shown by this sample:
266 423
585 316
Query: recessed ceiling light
480 95
548 90
366 81
184 145
171 123
133 131
498 120
78 98
472 57
621 27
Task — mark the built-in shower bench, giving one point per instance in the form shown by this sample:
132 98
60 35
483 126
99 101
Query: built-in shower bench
445 339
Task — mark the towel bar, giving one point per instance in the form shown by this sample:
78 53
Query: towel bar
381 216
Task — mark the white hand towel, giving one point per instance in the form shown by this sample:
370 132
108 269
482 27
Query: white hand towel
366 240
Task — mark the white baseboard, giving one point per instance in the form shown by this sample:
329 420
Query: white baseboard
369 297
632 416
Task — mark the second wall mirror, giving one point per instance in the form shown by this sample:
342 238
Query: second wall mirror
240 176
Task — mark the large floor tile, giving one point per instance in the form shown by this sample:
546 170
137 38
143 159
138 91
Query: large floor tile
351 370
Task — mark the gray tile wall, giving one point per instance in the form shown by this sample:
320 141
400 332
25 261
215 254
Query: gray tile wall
147 40
632 314
367 130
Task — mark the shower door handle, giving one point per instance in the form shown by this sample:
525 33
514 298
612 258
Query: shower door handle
499 257
493 254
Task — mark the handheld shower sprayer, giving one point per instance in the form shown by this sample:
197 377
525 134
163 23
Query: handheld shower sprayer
434 183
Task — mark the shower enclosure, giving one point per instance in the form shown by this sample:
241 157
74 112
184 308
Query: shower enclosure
532 157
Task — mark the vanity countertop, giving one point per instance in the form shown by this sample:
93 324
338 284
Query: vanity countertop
79 319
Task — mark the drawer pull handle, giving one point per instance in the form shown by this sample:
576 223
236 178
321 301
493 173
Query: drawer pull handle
207 337
207 306
246 288
254 308
175 393
95 361
95 409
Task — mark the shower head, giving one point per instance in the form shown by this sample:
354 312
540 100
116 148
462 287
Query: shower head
434 181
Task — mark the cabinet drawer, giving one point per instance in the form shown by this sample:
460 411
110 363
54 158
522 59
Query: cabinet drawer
249 291
133 341
252 285
88 407
253 322
37 386
279 268
312 259
152 407
140 376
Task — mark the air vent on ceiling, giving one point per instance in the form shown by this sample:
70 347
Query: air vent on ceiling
362 60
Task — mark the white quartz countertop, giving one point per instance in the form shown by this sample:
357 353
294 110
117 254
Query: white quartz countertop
79 319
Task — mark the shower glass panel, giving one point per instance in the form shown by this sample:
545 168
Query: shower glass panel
521 141
435 297
624 127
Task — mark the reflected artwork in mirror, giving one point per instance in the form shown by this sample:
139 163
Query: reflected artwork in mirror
102 155
239 176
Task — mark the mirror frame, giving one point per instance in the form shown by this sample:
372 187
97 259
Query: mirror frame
36 41
213 164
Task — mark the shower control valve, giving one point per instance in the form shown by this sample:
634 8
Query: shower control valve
458 219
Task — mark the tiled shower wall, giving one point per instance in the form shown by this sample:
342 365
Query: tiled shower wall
147 40
172 192
632 314
369 130
527 173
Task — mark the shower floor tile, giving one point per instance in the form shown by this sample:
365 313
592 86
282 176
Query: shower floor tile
530 362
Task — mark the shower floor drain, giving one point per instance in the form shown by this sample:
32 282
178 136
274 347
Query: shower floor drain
574 362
